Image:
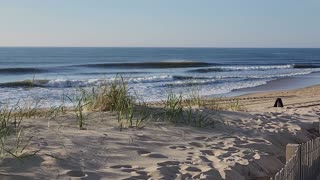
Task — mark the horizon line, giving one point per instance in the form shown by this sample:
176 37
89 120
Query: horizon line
186 47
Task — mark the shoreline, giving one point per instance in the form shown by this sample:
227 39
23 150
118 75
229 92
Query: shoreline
282 84
285 83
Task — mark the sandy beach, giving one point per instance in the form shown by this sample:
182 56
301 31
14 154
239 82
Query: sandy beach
159 90
247 144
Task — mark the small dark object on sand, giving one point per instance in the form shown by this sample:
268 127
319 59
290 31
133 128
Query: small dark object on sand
278 103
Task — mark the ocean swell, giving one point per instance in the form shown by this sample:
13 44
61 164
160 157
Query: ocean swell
142 65
21 70
303 66
239 68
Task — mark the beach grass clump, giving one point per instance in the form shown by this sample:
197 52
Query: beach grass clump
5 116
136 116
235 105
115 97
12 140
173 108
131 112
30 107
111 96
15 144
53 112
185 112
142 114
195 98
10 117
121 101
79 102
195 116
97 98
201 119
214 104
18 150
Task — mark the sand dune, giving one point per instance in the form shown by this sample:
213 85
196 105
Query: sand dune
242 145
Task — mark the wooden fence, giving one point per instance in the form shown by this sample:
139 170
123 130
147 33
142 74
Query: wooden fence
304 164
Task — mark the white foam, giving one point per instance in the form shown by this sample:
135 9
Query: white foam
151 87
149 79
262 67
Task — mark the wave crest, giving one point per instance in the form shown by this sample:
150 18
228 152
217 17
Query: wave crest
168 64
25 83
239 68
303 66
21 70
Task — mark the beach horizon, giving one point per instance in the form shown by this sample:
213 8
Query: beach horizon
159 90
155 113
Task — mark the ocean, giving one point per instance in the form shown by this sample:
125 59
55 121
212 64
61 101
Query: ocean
151 73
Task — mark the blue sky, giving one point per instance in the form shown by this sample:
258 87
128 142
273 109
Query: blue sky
160 23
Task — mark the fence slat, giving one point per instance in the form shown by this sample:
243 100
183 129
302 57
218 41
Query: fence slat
304 164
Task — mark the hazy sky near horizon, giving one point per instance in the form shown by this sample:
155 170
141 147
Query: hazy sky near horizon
160 23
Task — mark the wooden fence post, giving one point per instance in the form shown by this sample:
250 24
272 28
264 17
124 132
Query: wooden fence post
291 150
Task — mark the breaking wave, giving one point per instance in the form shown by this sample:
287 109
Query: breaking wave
239 68
253 68
169 64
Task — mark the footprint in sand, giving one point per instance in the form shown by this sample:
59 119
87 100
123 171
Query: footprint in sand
143 173
204 159
128 170
143 152
196 144
120 166
146 153
192 169
202 138
232 150
180 147
207 152
136 172
135 178
168 163
76 174
155 155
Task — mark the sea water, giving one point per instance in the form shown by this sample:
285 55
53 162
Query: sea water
48 74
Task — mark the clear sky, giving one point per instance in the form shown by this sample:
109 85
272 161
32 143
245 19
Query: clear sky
160 23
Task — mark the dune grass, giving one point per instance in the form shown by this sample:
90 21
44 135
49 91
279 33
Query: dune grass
235 105
186 111
111 96
195 98
116 97
79 103
173 107
12 139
